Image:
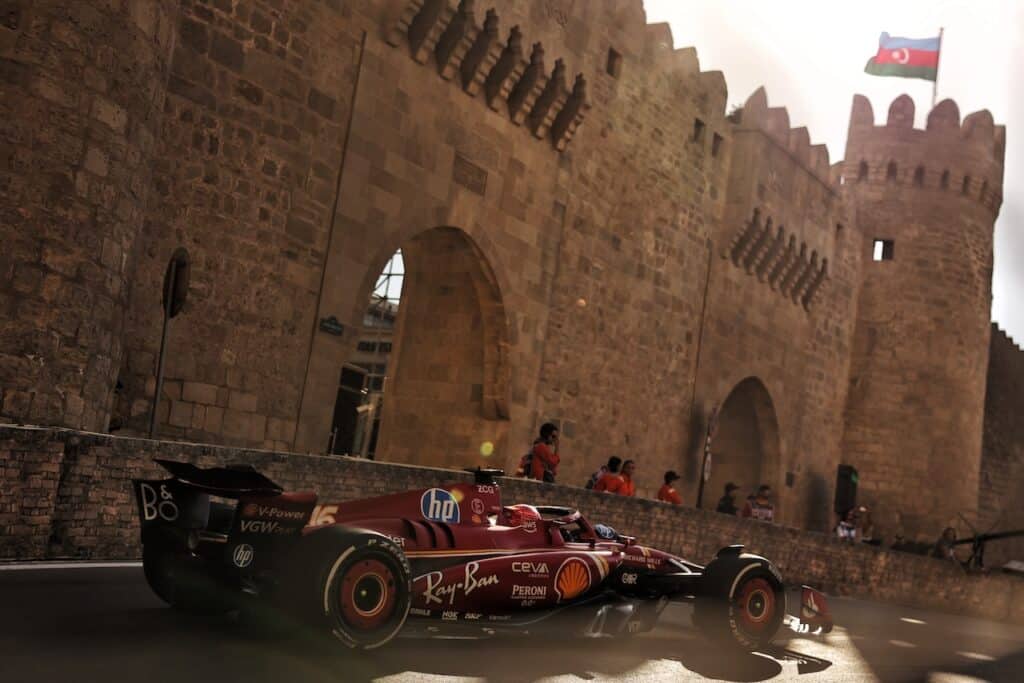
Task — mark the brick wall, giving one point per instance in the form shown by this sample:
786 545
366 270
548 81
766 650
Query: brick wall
67 494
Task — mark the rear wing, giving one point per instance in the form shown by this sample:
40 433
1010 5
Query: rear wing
228 482
180 506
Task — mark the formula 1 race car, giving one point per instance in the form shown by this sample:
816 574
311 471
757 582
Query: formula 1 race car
450 558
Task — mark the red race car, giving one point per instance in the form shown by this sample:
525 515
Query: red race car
450 558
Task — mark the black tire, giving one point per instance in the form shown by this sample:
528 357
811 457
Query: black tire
356 584
181 579
742 602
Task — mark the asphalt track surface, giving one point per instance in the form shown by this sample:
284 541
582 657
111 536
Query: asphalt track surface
101 623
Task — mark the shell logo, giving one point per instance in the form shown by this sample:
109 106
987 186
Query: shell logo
572 579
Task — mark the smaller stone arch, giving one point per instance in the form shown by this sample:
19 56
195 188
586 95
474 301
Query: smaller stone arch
862 171
745 444
944 183
891 172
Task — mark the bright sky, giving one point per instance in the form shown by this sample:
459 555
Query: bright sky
810 56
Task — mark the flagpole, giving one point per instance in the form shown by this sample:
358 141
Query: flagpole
938 60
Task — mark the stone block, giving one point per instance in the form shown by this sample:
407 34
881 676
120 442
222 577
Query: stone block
243 401
181 414
96 161
257 428
214 419
112 115
227 51
236 423
198 416
198 392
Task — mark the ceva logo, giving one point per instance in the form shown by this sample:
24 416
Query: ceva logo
439 505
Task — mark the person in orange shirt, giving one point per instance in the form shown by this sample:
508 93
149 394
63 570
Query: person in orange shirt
668 494
544 465
619 483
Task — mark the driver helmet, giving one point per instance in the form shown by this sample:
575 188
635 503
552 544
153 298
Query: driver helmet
518 515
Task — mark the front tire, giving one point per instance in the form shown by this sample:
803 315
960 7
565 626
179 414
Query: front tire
743 602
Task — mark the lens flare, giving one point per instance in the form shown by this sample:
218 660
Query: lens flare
486 449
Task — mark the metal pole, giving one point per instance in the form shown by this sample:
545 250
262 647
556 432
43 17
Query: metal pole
330 234
696 372
168 297
938 60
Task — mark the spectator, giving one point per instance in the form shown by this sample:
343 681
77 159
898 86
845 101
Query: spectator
668 494
545 458
621 483
865 527
613 466
847 527
760 507
727 503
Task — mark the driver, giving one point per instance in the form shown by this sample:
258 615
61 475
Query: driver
521 515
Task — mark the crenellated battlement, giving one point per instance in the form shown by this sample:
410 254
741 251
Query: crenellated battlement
1002 337
774 122
683 65
962 159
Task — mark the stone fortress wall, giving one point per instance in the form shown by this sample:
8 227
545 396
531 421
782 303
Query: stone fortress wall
589 238
1002 462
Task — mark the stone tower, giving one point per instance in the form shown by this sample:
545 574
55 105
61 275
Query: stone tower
81 93
926 201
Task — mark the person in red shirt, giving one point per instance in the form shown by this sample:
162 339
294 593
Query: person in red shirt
544 463
619 483
760 506
668 494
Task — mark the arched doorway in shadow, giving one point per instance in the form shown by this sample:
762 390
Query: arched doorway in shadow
441 393
745 445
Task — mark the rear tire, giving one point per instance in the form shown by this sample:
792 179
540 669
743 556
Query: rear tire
357 584
743 602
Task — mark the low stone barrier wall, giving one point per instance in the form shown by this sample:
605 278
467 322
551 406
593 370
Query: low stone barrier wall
67 494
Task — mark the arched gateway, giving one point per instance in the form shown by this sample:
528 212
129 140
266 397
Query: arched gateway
434 350
745 444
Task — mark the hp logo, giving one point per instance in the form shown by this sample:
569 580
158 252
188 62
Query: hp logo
242 556
439 505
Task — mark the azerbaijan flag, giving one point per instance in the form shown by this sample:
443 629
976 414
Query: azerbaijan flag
905 57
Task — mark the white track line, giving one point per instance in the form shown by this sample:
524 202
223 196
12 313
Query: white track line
29 566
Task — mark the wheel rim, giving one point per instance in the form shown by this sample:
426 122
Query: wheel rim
367 594
756 605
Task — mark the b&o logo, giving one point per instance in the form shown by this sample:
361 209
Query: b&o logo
439 505
160 505
242 556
